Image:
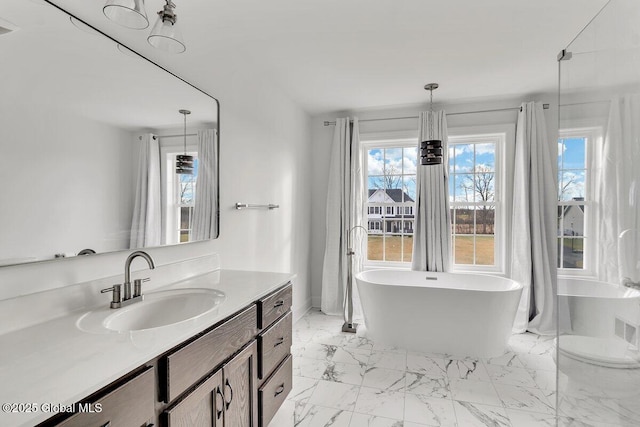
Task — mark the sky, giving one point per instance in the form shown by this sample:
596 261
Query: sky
402 163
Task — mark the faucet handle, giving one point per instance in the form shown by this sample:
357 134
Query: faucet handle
137 286
116 289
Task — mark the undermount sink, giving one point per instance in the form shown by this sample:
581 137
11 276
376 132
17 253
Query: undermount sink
156 310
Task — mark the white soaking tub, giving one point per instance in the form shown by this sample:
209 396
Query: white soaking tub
605 318
449 313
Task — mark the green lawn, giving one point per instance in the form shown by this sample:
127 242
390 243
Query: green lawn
399 248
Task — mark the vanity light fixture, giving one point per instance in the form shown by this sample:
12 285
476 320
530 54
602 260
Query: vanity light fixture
165 35
431 149
184 162
128 13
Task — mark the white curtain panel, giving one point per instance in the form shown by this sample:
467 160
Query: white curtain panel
146 225
204 212
618 193
432 228
534 239
344 210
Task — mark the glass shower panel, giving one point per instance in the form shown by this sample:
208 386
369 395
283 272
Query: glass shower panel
597 358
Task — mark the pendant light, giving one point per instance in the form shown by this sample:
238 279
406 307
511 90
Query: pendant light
184 162
128 13
165 35
431 149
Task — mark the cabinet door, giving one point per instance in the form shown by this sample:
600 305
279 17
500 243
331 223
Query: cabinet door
240 388
203 407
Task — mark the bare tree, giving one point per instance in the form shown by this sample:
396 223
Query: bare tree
566 185
483 188
391 179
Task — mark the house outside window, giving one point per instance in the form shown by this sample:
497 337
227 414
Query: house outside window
576 224
391 183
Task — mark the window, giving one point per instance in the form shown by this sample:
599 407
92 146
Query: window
475 186
391 183
473 181
185 197
574 222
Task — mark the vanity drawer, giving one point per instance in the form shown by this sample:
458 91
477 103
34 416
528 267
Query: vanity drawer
271 307
274 391
131 404
192 362
273 345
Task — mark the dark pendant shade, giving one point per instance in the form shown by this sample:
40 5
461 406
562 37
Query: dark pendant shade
431 152
184 164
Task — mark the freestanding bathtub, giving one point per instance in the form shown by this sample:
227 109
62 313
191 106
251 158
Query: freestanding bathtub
450 313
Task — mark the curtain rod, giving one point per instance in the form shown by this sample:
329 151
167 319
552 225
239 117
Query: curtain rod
169 136
545 106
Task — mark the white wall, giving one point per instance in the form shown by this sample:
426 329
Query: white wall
67 183
322 137
265 158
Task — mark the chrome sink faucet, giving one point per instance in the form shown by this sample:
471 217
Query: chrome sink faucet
121 299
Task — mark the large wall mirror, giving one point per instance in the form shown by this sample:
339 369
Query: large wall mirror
89 134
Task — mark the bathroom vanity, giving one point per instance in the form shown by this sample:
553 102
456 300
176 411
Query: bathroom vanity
229 367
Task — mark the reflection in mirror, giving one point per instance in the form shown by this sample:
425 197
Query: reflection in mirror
89 134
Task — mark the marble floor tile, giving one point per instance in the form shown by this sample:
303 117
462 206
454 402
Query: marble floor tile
545 380
385 379
427 386
309 368
363 420
509 359
285 417
352 356
468 369
430 411
526 418
537 362
474 415
422 364
481 392
524 398
318 416
381 403
343 373
354 341
302 389
316 351
388 360
388 348
510 375
335 395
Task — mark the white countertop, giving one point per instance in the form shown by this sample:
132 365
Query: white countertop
56 363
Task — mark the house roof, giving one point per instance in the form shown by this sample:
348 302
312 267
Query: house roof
394 193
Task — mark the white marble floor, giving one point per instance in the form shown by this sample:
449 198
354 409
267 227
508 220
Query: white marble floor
341 380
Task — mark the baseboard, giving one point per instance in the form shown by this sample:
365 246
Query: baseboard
299 313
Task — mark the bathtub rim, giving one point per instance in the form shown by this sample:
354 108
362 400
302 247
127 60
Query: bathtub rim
513 284
631 293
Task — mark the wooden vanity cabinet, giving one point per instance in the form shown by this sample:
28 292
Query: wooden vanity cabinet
237 373
226 398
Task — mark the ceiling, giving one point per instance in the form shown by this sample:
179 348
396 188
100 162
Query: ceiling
336 55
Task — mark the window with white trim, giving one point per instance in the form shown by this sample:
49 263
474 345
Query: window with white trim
474 198
390 174
476 168
576 224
